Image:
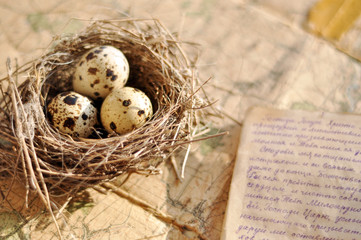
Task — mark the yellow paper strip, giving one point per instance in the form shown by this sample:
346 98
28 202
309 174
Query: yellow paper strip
332 18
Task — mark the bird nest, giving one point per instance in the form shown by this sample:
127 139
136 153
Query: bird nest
52 163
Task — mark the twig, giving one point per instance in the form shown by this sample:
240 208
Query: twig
16 98
155 212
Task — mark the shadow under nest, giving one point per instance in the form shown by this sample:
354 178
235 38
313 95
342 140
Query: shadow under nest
55 164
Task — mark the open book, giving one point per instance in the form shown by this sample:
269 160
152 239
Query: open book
297 176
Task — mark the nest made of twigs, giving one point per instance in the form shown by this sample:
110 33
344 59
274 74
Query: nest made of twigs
54 163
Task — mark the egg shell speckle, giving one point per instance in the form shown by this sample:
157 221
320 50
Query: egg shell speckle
125 109
99 71
72 113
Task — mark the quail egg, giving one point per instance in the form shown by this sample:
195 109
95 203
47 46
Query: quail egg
100 70
72 113
125 109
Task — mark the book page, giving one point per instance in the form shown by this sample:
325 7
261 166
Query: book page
297 176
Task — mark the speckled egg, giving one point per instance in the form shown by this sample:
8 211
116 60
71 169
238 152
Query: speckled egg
72 113
125 109
100 70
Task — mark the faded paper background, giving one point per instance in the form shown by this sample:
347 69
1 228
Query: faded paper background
257 53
